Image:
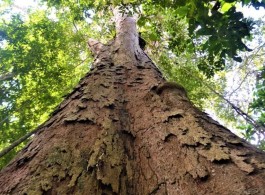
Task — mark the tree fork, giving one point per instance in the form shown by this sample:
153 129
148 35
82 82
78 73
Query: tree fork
125 130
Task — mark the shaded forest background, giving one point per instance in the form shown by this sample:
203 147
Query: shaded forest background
208 47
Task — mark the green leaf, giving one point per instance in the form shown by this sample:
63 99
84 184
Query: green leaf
226 6
153 37
182 11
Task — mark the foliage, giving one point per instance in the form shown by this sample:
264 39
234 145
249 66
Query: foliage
212 25
258 104
244 79
42 61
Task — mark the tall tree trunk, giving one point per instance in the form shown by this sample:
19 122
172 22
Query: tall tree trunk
125 130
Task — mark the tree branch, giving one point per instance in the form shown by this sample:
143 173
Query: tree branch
248 118
95 46
17 142
6 76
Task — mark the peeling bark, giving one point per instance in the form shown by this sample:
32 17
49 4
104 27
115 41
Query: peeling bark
125 130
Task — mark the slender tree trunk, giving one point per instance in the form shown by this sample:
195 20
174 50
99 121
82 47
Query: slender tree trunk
125 130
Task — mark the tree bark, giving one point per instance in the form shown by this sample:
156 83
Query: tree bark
125 130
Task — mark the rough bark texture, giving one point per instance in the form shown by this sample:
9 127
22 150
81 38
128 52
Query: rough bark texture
125 130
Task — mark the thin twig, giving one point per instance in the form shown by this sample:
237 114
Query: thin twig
245 64
4 120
